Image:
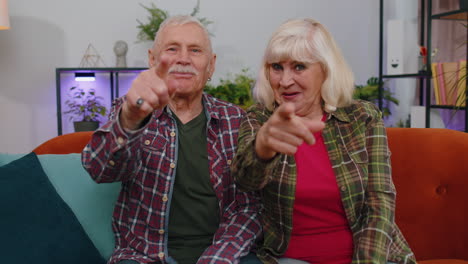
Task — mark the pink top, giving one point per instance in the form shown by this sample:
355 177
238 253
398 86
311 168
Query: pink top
320 233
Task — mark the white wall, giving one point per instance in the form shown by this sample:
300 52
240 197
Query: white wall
49 34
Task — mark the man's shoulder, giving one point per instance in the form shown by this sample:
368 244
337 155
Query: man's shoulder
221 108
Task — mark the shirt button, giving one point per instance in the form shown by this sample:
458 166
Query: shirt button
172 165
343 188
161 254
120 140
165 198
172 134
161 231
111 162
147 142
229 162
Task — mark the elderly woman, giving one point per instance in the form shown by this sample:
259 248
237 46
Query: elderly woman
320 158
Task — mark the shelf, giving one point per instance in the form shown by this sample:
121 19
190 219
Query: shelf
448 107
452 15
425 39
109 83
107 69
409 75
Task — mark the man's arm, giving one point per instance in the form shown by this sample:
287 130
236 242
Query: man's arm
238 231
113 153
109 156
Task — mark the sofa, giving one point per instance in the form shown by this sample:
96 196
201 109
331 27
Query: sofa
55 212
430 172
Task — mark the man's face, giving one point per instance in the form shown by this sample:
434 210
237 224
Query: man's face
182 58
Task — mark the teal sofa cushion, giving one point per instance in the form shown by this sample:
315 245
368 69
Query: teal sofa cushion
6 158
36 225
92 203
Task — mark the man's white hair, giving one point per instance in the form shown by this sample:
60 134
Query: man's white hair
182 20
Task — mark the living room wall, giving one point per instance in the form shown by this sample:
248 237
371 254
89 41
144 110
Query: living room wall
48 34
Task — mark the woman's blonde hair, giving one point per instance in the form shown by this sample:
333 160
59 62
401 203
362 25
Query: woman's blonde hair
307 41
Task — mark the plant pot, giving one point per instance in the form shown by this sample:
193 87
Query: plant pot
464 4
85 126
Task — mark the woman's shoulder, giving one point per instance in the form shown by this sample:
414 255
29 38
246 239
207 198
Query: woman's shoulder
362 108
258 112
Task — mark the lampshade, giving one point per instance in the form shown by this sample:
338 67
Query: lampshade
4 19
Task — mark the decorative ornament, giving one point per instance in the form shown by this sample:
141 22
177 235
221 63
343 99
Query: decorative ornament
91 58
120 50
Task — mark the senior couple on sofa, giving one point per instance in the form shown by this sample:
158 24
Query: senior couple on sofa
52 208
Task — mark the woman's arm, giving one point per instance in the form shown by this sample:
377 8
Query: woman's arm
251 172
373 240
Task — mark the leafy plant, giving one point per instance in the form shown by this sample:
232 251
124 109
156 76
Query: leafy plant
156 17
85 105
404 123
202 20
236 90
147 31
370 92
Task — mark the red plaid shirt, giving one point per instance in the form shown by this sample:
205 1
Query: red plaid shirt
145 162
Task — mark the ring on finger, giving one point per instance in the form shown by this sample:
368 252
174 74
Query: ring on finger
139 101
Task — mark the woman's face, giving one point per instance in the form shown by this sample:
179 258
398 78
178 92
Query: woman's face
299 83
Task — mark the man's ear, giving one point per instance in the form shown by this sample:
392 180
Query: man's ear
151 58
212 65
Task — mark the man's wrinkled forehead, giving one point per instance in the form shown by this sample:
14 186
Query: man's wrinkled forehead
176 34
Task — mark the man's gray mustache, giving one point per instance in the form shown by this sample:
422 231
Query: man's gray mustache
183 69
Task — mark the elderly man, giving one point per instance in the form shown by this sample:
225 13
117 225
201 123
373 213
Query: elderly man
171 146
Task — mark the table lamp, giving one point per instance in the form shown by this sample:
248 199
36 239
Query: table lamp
4 19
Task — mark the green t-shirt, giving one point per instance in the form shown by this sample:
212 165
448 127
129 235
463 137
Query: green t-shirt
194 213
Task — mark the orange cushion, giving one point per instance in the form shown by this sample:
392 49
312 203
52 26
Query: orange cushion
443 261
430 172
64 144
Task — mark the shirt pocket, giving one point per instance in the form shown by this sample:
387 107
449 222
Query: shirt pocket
360 161
154 142
359 156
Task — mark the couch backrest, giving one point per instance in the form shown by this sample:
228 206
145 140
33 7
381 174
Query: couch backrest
64 144
430 172
91 203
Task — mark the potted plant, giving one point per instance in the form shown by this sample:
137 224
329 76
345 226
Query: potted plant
147 31
463 4
370 92
85 109
236 90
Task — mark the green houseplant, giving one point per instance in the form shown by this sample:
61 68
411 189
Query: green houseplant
236 89
370 92
85 108
147 31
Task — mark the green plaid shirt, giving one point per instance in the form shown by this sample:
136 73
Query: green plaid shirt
356 141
